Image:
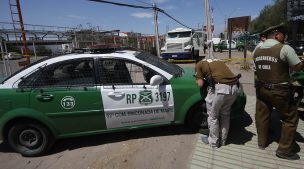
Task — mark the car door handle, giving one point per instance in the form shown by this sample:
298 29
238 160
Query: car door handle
44 97
116 94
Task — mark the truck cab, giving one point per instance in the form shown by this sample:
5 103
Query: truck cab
183 43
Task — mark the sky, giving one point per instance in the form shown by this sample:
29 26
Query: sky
85 14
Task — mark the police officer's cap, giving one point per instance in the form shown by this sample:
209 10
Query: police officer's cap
277 28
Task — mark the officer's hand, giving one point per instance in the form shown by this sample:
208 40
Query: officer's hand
199 82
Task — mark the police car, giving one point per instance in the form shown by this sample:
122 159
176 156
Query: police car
106 91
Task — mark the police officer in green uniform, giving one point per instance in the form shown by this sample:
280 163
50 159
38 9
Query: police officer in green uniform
222 92
273 61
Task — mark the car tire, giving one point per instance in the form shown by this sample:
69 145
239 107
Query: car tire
218 49
197 117
30 139
240 49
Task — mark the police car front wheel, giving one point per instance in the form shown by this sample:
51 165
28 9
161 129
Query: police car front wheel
197 116
29 139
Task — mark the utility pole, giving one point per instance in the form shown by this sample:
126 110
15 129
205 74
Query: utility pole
156 30
225 28
209 36
212 23
25 48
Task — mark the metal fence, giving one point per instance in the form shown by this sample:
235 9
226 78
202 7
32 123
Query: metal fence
43 40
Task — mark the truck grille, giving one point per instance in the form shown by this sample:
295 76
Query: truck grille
174 46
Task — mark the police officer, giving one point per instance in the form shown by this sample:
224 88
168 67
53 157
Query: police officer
222 92
273 60
262 40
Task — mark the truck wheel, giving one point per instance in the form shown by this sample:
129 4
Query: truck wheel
30 139
197 117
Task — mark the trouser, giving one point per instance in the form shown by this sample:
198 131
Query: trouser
218 105
287 110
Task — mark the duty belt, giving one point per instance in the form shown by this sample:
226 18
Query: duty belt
271 86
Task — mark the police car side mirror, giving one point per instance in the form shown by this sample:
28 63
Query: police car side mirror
156 80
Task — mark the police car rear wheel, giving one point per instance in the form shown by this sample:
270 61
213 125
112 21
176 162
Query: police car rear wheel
29 139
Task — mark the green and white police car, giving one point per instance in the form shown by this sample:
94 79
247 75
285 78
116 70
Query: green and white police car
84 94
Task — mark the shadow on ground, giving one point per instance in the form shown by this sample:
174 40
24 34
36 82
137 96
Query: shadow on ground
95 140
238 133
275 132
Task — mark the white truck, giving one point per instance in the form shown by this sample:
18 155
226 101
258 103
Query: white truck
183 43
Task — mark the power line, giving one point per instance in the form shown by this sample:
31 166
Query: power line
121 4
175 19
142 7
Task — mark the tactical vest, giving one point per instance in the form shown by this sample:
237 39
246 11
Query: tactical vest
269 67
219 71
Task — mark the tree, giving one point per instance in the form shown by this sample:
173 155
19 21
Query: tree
270 15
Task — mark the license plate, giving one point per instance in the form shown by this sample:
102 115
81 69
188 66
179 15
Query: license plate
174 56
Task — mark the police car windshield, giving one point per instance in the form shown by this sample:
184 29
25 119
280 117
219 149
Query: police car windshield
162 64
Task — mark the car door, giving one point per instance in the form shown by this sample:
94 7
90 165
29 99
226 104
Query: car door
224 44
67 94
233 44
128 98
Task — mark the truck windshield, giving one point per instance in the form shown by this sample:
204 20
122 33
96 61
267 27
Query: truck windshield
171 68
179 34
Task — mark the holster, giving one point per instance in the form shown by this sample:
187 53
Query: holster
209 82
